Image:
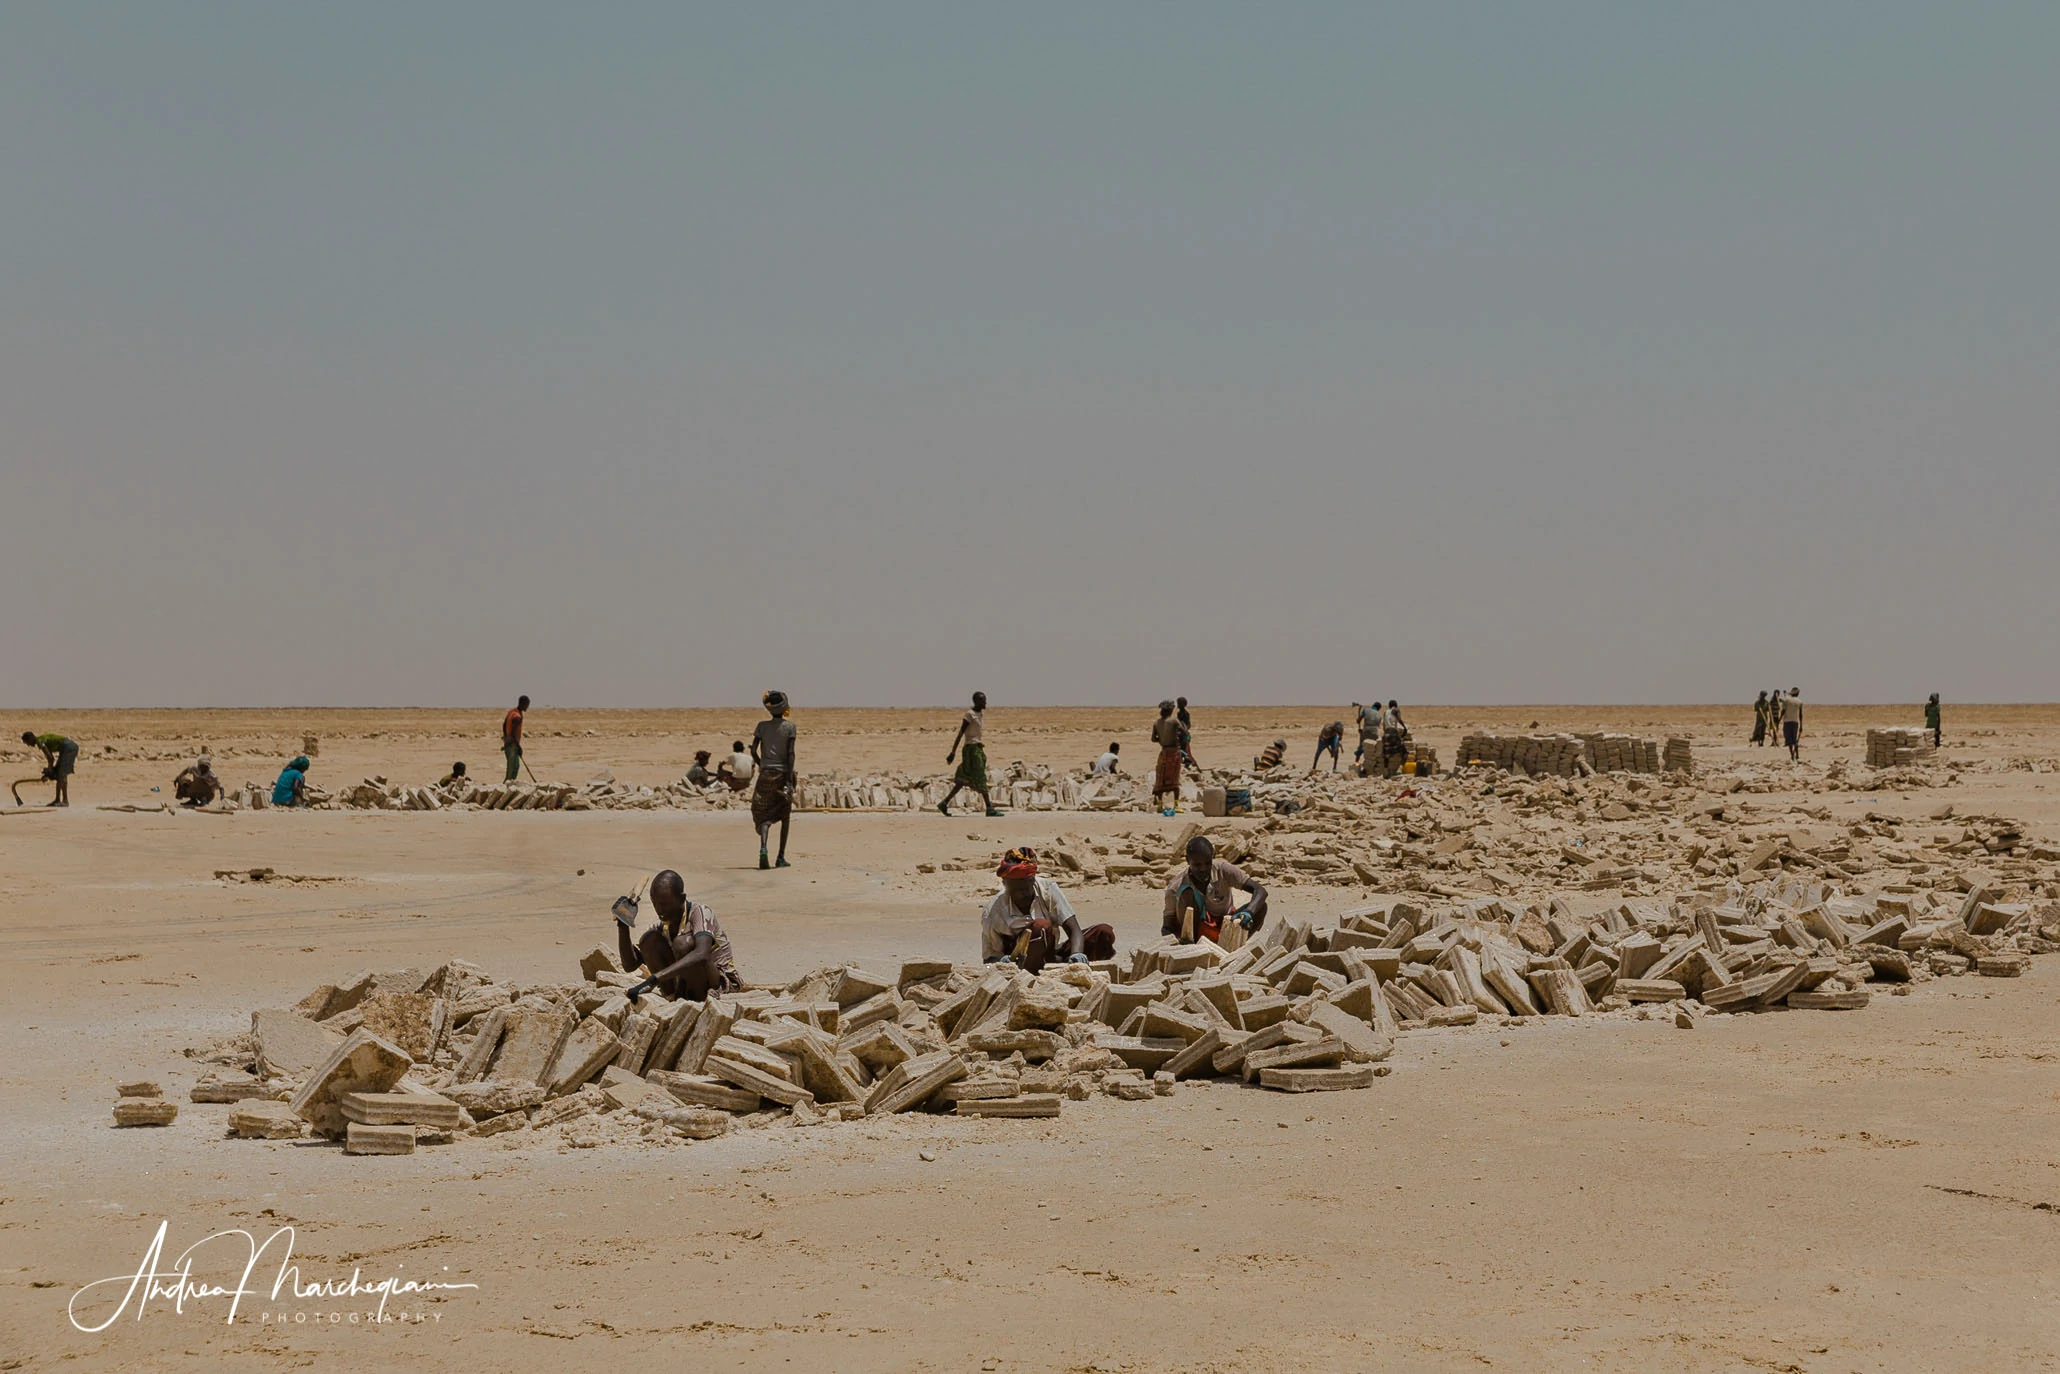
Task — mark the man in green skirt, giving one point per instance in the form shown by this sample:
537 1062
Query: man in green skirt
972 768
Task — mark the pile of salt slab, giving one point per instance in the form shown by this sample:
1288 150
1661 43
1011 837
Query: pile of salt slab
1899 746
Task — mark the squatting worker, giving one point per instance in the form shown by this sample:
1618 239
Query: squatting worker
292 787
197 784
686 955
1791 723
1270 756
972 771
1166 775
699 775
60 757
511 737
1198 899
737 770
772 752
1030 922
1106 764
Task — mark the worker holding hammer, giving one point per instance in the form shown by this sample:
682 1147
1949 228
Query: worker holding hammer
687 954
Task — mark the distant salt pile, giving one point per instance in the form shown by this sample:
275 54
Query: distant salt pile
1899 746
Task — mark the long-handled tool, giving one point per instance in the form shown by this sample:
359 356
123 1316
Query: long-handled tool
15 786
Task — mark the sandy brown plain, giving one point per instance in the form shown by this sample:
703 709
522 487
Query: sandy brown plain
1865 1191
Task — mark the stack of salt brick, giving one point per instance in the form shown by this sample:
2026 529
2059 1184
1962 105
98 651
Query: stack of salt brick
1553 755
1680 754
1614 753
1898 745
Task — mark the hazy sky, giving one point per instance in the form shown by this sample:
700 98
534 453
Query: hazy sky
655 354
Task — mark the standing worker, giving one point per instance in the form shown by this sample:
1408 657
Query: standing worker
1166 775
1931 722
1372 725
772 752
60 757
1759 720
972 770
1791 723
511 737
1187 733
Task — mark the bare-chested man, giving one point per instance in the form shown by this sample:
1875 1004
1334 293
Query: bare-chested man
685 955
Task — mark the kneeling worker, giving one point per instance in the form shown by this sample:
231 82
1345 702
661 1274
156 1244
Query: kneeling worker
292 787
197 785
737 771
686 955
1029 920
1198 899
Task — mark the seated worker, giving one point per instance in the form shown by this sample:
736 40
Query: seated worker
292 787
197 785
1330 741
455 777
699 775
1108 763
60 757
1029 920
1271 756
686 955
737 770
1198 899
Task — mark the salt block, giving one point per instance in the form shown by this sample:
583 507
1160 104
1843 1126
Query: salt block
364 1064
262 1120
145 1111
361 1139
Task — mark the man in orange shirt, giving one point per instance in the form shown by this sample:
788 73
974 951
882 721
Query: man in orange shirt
511 737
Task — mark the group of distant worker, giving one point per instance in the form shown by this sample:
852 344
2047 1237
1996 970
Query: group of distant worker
1382 732
1028 923
1777 717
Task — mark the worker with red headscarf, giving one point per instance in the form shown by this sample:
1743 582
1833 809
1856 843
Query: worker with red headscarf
1030 922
